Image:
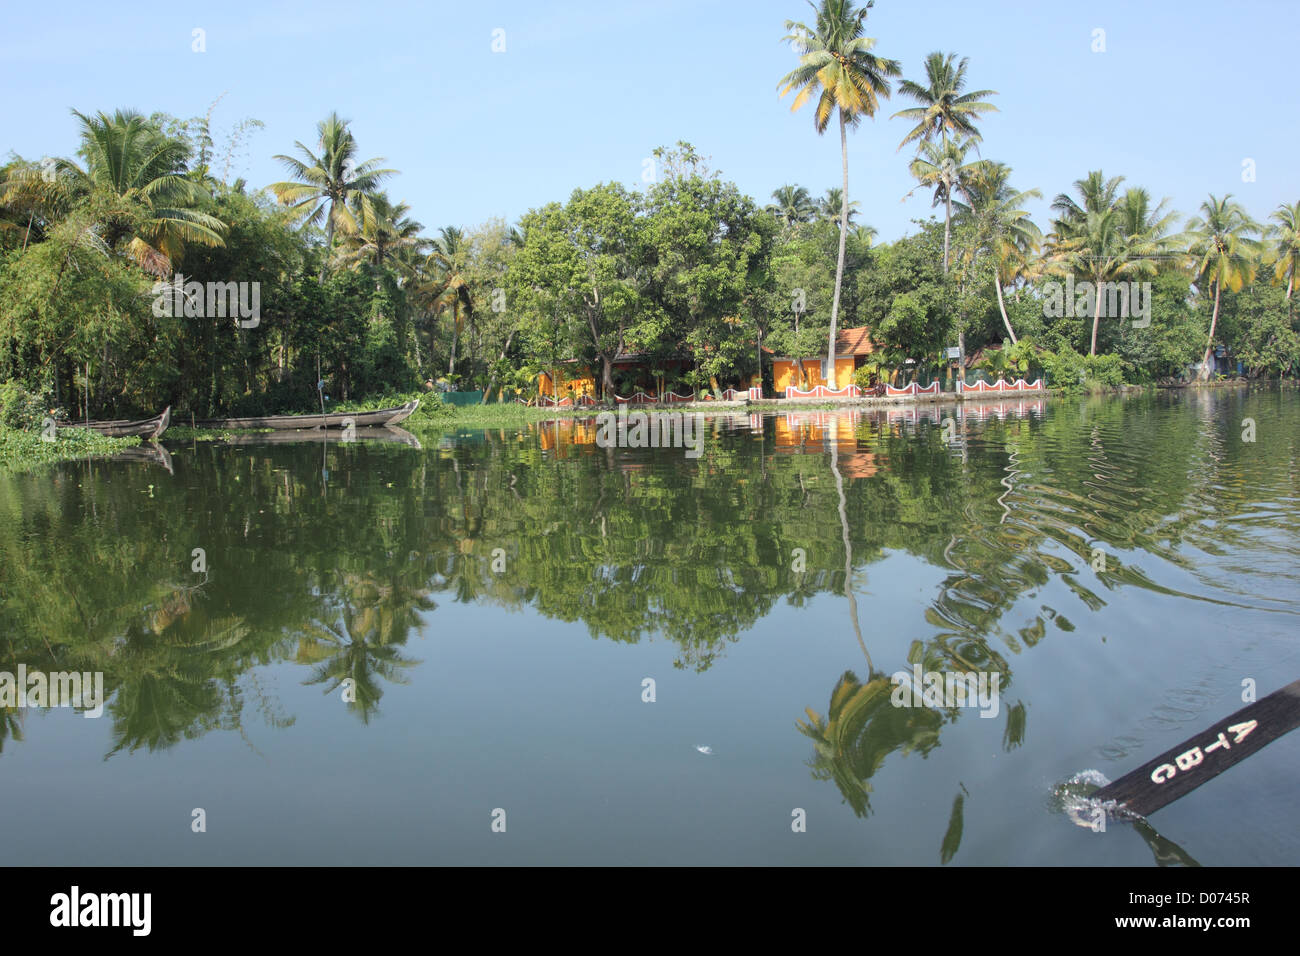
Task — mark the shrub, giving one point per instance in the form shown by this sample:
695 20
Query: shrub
20 408
1107 370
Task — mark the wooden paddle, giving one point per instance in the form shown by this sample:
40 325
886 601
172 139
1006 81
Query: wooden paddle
1182 769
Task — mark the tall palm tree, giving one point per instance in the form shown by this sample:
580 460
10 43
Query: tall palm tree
326 185
1286 245
449 261
944 109
1224 252
135 177
943 168
793 205
836 62
1003 228
1106 237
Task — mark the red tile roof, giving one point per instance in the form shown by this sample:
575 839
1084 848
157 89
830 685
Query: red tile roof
853 342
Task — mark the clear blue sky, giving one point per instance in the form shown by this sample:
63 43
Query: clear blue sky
1185 90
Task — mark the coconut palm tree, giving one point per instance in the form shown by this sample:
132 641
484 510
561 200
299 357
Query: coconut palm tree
830 206
1286 245
383 231
32 200
1106 237
1003 229
449 262
1224 252
792 205
324 186
135 180
836 63
943 167
944 109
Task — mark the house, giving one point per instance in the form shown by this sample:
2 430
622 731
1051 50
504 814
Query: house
576 379
852 346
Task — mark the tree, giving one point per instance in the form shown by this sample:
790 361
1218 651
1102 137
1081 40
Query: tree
836 62
1286 245
943 168
829 207
1224 253
449 261
134 178
793 205
1003 229
1106 237
327 184
383 230
943 108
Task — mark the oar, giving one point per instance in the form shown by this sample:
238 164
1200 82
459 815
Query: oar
1182 769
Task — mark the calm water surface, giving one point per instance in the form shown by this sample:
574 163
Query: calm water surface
495 601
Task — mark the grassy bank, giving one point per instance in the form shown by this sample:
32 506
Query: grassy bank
20 450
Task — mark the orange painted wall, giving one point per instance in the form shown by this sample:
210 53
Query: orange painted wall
785 372
581 381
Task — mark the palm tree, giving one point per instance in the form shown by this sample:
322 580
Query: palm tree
383 231
1224 252
944 108
943 168
135 179
864 235
326 184
1286 248
32 200
449 260
1106 237
793 205
1003 228
830 206
836 62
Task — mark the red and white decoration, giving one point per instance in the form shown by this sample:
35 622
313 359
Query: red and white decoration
821 391
912 389
1002 385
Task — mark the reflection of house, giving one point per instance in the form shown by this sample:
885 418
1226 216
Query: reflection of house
560 433
852 346
799 433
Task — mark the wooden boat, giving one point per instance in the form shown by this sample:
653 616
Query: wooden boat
384 416
144 428
149 452
387 434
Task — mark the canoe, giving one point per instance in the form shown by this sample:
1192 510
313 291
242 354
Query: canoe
148 452
384 416
387 434
144 428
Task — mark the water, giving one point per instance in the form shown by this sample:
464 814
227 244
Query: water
513 680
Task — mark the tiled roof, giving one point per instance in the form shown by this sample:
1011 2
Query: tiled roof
853 342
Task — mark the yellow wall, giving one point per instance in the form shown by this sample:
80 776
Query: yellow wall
785 372
581 381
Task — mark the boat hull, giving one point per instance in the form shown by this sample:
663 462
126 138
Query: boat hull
143 428
384 416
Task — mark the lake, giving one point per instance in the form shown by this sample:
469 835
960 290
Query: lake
521 646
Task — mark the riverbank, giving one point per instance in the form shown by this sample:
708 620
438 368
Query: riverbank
21 450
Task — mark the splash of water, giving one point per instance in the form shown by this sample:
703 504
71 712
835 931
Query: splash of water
1074 799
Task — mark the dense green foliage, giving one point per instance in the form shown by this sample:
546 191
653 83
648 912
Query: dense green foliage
353 295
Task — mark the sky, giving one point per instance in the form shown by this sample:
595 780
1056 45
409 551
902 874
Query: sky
1183 95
